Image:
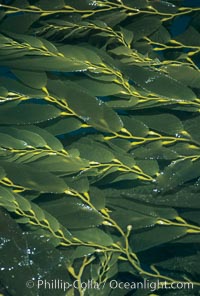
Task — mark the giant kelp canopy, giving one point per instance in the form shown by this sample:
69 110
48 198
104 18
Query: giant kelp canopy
99 145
